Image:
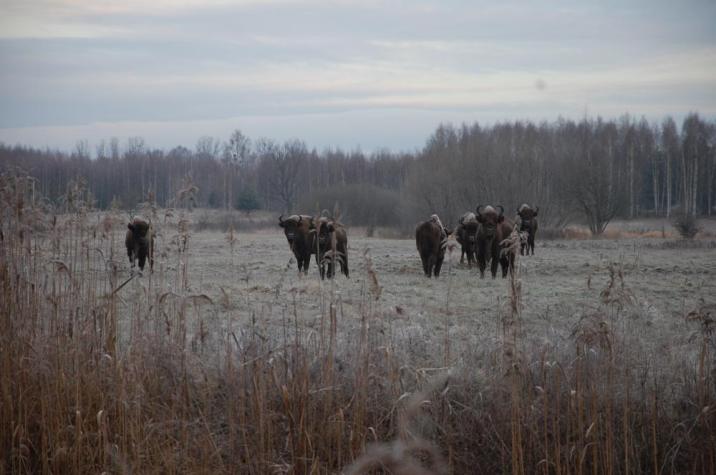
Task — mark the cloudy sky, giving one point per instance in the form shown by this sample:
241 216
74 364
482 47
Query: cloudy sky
348 73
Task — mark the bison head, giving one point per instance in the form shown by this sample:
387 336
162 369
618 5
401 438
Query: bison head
526 215
291 226
489 219
140 229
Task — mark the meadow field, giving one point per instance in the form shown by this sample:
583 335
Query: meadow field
598 356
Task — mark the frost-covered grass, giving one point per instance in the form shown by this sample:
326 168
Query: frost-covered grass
598 356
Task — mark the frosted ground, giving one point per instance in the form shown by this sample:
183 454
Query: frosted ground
257 288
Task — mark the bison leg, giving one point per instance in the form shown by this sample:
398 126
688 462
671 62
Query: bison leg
299 260
531 244
425 261
142 257
493 266
481 264
344 264
438 266
431 266
130 254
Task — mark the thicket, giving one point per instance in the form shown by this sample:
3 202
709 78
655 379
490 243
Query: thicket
589 171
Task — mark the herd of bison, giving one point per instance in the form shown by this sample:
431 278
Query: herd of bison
481 234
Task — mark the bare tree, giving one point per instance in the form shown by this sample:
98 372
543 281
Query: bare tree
594 182
236 154
693 153
670 148
280 171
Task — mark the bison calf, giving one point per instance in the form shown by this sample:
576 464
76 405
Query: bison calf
465 233
431 239
528 225
332 247
139 241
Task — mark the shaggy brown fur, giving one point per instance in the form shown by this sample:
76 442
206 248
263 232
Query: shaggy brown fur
301 237
493 229
332 246
139 241
465 233
528 225
431 241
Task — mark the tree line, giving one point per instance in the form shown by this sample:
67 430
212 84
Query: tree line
588 171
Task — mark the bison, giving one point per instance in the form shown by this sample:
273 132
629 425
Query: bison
493 229
465 234
332 247
301 237
431 240
139 241
528 225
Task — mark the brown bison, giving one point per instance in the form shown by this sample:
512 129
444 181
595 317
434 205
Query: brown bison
301 237
139 241
528 226
332 246
493 229
465 233
431 239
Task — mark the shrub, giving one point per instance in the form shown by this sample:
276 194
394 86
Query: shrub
687 225
247 201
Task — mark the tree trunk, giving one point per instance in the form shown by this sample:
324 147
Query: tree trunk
655 183
631 181
695 182
685 190
710 181
668 184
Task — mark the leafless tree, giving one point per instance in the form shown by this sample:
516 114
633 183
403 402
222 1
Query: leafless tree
280 171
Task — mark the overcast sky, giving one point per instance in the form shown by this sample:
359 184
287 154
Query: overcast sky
348 73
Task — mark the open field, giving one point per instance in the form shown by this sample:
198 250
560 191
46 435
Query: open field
226 360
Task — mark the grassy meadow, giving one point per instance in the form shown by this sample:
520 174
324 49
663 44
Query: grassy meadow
598 356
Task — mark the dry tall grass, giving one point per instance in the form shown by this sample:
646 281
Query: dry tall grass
104 374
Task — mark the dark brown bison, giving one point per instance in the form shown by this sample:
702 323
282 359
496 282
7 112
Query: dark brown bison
139 241
528 226
493 229
465 233
332 246
301 237
431 239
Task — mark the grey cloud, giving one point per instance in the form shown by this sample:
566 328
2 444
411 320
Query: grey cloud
218 62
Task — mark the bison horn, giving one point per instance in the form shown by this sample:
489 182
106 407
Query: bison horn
299 219
478 210
536 210
280 219
502 210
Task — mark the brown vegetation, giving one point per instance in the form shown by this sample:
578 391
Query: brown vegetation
92 382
